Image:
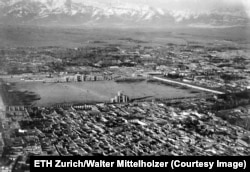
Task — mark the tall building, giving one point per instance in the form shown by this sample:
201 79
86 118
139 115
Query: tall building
120 98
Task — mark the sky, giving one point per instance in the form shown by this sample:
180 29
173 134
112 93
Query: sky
194 4
178 4
189 4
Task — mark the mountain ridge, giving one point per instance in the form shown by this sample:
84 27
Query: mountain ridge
86 12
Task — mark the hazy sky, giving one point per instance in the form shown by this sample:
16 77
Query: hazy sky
188 4
195 4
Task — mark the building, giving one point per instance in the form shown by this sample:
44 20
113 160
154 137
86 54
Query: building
120 98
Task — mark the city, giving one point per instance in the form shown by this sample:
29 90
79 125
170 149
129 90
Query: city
123 92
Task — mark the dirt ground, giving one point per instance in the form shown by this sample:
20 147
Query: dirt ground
52 93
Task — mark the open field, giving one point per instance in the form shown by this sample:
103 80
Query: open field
38 36
1 101
53 93
2 106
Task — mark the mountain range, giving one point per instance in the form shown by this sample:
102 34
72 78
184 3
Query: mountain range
96 13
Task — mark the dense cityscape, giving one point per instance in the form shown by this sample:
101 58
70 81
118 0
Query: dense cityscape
81 78
214 121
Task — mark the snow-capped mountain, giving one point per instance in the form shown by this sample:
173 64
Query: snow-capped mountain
89 12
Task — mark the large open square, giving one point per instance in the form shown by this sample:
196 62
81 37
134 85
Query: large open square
87 92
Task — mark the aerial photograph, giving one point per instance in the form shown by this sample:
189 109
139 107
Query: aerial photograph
123 78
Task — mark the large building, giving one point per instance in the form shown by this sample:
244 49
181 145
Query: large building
120 98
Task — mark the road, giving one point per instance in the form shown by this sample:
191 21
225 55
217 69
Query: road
189 85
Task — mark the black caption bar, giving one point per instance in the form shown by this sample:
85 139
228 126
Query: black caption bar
78 163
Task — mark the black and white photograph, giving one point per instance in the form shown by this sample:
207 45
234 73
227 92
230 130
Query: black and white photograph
124 78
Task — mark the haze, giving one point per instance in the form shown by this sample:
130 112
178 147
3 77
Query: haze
187 4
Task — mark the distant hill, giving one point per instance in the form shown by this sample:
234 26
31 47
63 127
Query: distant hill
32 35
